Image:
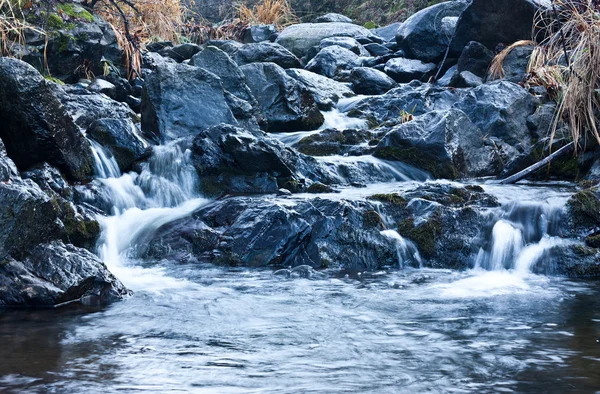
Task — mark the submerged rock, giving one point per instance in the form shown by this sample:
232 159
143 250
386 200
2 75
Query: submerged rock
35 127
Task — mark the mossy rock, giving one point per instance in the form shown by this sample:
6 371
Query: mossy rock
415 157
373 220
318 187
75 11
391 198
593 240
425 235
584 208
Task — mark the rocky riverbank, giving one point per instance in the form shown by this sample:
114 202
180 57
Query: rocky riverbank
325 146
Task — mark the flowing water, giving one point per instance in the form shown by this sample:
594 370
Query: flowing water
199 328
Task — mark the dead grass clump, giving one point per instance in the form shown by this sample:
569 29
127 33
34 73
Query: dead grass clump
13 26
268 12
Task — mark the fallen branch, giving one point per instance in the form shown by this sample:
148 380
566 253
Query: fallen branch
526 172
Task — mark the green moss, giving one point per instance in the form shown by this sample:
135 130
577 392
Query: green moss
424 236
324 263
414 156
370 25
585 208
53 79
584 251
593 240
372 220
392 198
318 187
55 22
75 11
63 43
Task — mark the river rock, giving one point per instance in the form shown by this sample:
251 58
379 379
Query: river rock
345 42
122 139
465 79
423 36
370 81
180 52
337 142
301 37
377 49
180 100
445 143
266 52
494 22
404 70
332 60
233 160
35 127
333 17
475 58
515 64
259 33
388 33
325 91
56 273
285 104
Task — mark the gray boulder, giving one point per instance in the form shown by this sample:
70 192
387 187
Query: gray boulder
345 42
300 38
35 127
122 139
370 81
405 70
332 60
285 104
424 36
333 17
180 52
325 91
259 33
465 79
445 143
377 49
388 33
266 52
233 160
475 58
180 100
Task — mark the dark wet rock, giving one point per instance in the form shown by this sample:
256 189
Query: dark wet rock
230 47
56 273
222 65
233 160
584 211
465 79
377 49
515 64
404 70
35 127
180 100
7 166
301 37
444 143
475 58
423 37
447 77
333 17
85 107
348 43
157 46
500 110
325 91
259 33
494 22
258 232
180 52
266 52
415 98
388 33
121 138
336 142
370 81
330 61
73 50
99 85
571 260
49 178
285 104
134 103
318 188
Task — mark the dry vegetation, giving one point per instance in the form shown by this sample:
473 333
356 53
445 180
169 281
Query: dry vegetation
566 61
269 12
12 25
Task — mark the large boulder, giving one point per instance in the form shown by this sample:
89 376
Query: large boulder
122 139
495 22
325 91
332 60
370 81
266 52
423 36
35 126
56 274
500 109
445 143
404 70
180 100
388 33
285 104
475 58
300 38
234 160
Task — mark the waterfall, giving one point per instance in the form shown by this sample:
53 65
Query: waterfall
105 165
406 250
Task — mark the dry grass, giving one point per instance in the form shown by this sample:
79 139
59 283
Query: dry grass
496 70
12 26
567 63
268 12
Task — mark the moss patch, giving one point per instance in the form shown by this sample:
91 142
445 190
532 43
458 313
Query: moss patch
424 236
372 220
392 198
318 187
593 240
416 157
75 11
584 206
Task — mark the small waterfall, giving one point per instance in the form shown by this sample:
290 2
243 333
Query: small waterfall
368 169
406 250
507 242
105 164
